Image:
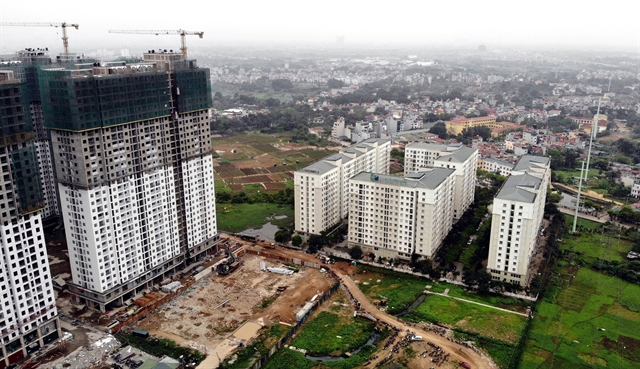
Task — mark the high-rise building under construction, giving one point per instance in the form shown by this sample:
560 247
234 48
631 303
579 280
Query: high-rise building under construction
25 63
28 316
133 162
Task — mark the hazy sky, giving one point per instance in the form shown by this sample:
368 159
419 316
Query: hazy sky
611 23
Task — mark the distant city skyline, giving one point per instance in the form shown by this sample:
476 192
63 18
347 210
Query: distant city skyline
613 25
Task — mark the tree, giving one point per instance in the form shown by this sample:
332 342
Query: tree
283 235
356 253
315 243
588 204
335 83
440 129
223 197
296 240
484 281
281 84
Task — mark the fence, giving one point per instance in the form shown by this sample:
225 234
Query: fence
259 363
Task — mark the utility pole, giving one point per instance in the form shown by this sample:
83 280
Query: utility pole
594 131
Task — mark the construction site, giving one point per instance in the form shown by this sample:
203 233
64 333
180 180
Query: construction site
223 303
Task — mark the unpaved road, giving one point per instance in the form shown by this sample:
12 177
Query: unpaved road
476 361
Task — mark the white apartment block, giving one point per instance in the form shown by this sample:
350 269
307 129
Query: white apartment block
28 315
136 184
500 167
419 156
396 217
321 189
517 214
635 188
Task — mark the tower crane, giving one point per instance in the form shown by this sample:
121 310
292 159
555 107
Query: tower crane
63 25
180 32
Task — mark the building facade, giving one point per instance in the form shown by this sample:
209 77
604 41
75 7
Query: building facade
321 189
397 217
28 315
500 167
420 156
27 63
460 123
133 155
517 214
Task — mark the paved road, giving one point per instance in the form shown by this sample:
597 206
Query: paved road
572 212
476 361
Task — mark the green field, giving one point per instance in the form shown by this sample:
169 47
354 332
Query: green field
254 187
593 322
576 173
220 186
238 217
584 223
402 289
597 245
495 331
332 334
470 317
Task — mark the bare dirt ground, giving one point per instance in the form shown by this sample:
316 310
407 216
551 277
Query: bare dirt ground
194 319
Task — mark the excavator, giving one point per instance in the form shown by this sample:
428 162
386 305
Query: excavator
228 265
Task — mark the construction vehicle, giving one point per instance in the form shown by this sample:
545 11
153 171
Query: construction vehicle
229 264
180 32
63 25
266 245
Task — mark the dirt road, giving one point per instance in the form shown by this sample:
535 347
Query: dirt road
475 360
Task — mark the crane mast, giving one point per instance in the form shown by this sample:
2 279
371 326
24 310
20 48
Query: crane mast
182 33
63 25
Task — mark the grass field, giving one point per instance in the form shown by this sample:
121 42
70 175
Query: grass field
576 173
238 217
220 186
469 317
584 223
593 322
332 334
402 289
595 245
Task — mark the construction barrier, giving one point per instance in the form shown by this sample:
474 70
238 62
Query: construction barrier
259 363
285 259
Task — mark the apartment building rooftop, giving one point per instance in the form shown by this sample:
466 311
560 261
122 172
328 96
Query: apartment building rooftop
519 188
460 155
429 180
319 167
435 146
527 160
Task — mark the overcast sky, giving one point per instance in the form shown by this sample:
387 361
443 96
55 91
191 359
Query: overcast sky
611 23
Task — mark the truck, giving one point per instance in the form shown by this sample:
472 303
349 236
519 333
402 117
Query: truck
465 365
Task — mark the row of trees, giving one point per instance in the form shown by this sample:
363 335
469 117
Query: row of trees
285 196
465 136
